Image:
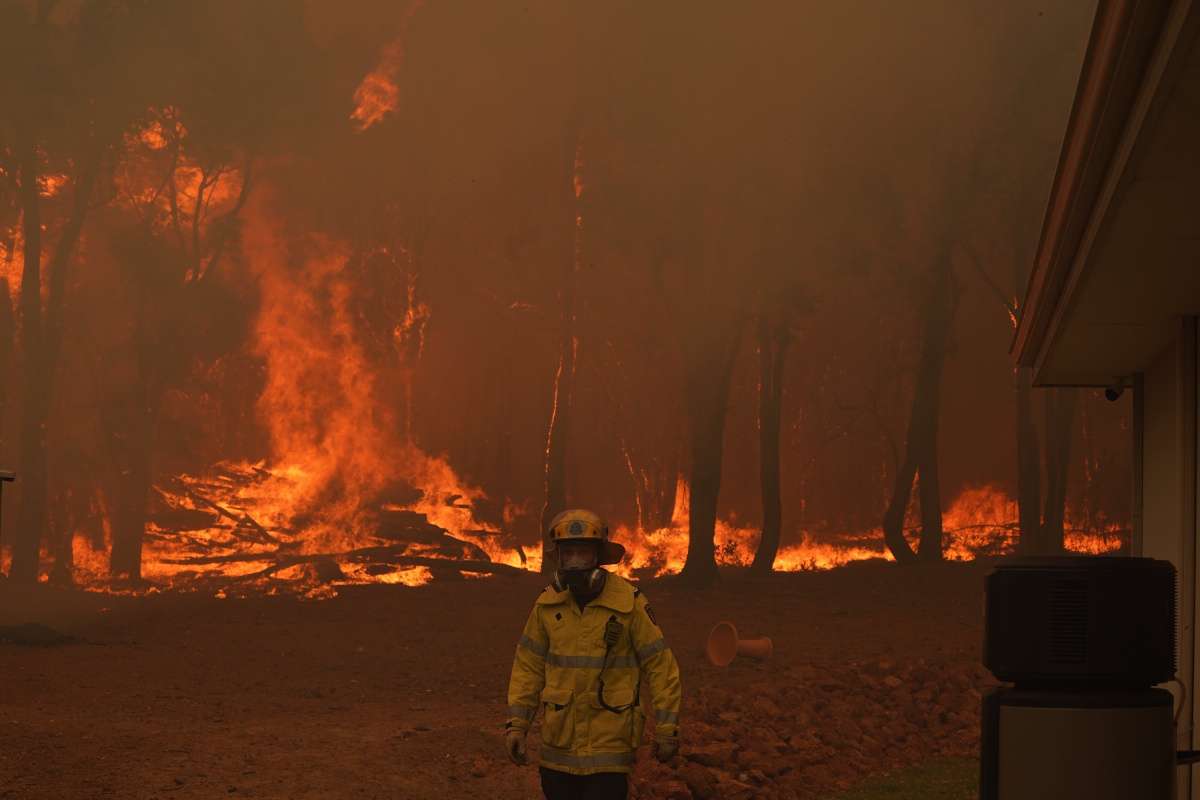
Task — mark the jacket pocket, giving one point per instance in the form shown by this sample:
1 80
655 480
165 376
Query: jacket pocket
615 731
557 708
639 726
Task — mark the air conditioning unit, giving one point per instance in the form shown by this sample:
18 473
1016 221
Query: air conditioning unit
1083 640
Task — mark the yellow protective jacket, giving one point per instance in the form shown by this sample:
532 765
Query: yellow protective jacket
558 667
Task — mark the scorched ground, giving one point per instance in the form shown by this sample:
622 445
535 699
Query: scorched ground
398 692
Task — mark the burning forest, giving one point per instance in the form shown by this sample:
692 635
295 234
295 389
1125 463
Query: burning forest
310 326
306 304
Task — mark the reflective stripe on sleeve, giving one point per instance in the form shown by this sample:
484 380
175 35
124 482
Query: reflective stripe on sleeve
521 712
589 662
651 649
666 717
565 758
534 647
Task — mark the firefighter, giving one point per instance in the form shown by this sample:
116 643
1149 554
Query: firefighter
588 643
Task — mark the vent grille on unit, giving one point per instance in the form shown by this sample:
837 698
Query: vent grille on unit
1069 622
1175 624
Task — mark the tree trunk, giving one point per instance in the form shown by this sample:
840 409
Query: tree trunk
60 537
129 515
921 448
32 508
1060 416
564 376
556 445
773 340
707 383
929 548
7 334
1029 468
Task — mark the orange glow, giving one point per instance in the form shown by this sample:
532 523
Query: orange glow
577 173
163 182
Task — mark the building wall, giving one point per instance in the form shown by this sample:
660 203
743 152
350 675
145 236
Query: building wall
1168 491
1160 490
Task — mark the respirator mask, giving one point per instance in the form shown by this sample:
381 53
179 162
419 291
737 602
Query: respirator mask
578 568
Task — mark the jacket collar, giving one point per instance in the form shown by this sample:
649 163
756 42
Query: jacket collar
616 595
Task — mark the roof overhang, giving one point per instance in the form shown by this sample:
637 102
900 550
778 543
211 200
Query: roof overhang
1119 256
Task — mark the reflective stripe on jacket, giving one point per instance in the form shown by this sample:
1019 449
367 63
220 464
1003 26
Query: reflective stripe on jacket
557 668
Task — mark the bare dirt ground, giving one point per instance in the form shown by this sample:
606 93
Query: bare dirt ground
396 692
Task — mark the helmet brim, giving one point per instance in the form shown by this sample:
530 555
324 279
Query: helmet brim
610 552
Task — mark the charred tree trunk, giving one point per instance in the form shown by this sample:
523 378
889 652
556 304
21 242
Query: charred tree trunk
921 449
129 515
556 441
136 456
42 342
59 535
1029 469
707 381
929 548
773 340
1060 416
564 376
662 484
893 518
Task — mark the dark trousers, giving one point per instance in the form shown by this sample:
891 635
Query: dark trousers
601 786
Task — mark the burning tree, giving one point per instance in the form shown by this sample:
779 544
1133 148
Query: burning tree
563 393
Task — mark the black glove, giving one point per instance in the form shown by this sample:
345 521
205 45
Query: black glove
514 742
666 747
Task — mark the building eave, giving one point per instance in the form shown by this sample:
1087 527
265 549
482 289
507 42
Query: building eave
1120 49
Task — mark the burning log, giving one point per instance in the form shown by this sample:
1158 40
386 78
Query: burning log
392 555
206 533
243 521
404 525
180 520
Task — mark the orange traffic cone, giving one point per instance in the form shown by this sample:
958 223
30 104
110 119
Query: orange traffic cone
724 645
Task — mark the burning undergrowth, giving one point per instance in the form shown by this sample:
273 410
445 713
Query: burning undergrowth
345 496
980 522
233 531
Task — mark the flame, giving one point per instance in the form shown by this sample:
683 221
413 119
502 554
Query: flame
12 258
51 185
375 98
153 136
377 94
335 503
980 522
